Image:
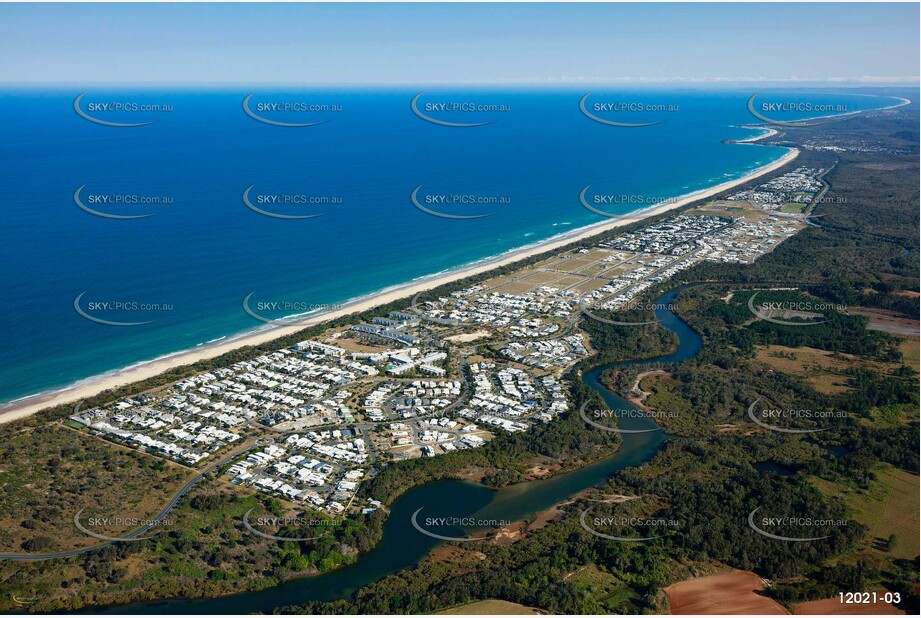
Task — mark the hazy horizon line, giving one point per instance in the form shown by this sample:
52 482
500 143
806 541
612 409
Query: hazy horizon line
803 83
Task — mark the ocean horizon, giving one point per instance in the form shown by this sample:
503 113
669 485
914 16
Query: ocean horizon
89 294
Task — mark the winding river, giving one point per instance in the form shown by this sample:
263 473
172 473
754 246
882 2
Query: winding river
402 545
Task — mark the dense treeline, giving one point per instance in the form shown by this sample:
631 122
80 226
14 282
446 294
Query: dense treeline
706 480
733 323
709 480
615 343
711 515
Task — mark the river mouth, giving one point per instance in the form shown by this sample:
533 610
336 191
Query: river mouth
403 545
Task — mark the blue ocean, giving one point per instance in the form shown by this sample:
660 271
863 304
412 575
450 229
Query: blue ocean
342 184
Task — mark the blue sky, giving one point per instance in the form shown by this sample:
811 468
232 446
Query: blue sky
441 43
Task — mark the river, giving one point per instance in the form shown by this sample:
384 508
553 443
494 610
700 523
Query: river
402 546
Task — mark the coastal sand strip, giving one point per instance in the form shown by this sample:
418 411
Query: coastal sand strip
88 388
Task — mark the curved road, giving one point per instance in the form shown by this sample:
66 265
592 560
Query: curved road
131 536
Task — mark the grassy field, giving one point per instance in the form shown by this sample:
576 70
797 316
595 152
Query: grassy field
729 208
824 371
900 516
888 506
580 271
911 352
609 594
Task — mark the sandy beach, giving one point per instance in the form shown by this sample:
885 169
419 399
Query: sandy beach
768 132
92 386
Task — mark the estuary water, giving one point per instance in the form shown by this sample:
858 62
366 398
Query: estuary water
402 545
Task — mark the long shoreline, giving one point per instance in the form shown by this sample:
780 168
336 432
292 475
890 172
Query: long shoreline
768 132
92 386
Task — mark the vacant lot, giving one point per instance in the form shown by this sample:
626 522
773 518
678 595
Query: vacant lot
468 337
514 287
590 285
735 592
539 278
727 208
49 473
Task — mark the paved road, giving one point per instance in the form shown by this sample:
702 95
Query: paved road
365 430
465 384
134 534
